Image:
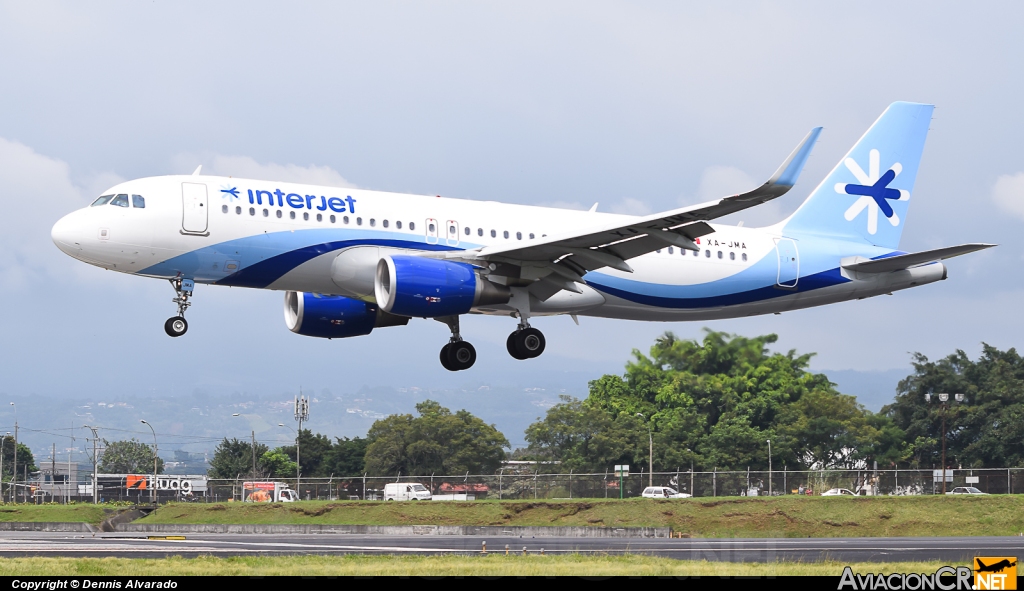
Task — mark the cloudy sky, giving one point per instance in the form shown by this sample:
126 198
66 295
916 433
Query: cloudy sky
641 107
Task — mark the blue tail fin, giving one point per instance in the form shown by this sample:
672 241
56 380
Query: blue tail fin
866 196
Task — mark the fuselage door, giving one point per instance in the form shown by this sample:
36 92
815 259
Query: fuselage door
194 206
431 228
789 262
452 228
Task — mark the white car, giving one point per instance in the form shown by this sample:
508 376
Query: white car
965 490
663 492
838 492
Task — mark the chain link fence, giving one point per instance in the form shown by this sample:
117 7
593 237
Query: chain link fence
524 483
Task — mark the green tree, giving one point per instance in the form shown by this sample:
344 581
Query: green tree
714 403
437 441
24 458
314 447
347 457
128 456
275 464
233 459
986 430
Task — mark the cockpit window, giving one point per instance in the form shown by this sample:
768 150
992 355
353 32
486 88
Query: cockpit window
138 201
120 201
102 200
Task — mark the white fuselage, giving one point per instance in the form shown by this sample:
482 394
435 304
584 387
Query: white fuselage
284 236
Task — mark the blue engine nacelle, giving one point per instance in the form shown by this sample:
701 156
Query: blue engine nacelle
430 288
334 317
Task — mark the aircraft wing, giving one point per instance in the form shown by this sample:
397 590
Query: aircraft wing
571 255
914 259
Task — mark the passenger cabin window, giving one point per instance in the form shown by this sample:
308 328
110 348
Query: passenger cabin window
279 214
305 216
138 201
385 223
707 254
412 225
519 235
120 201
333 219
732 257
398 225
494 234
744 256
467 231
320 217
238 210
224 208
506 234
430 227
291 214
671 251
373 222
479 231
102 200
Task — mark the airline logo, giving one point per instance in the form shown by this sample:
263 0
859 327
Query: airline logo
873 191
279 198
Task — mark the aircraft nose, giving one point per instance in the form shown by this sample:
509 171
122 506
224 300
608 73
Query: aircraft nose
65 235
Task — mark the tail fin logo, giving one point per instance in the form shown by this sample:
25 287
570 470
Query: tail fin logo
873 190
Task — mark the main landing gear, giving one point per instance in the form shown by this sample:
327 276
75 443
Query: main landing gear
458 354
525 343
176 325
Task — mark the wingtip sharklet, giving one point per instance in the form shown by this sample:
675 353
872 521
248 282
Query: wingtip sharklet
789 172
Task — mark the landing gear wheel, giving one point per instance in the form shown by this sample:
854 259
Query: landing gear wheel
529 342
510 344
176 326
461 355
445 363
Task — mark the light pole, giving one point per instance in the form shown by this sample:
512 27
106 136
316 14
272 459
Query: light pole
943 400
152 488
770 467
650 451
253 449
14 472
2 441
298 469
95 437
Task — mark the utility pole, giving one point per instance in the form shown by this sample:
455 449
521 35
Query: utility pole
301 414
152 488
53 469
2 441
650 452
14 472
253 454
95 436
769 467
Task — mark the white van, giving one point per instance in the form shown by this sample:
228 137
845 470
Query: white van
406 491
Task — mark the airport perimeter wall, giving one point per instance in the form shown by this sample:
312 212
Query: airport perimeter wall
399 530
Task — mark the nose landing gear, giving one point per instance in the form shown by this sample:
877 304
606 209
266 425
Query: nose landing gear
458 354
177 325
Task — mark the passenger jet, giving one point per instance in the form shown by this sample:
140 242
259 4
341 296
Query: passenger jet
351 260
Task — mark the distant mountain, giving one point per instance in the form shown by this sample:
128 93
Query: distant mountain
873 389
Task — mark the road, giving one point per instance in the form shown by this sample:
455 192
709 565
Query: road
950 550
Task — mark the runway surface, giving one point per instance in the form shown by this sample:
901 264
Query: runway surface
950 550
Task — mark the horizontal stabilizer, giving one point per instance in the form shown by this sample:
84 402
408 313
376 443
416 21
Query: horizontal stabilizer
905 261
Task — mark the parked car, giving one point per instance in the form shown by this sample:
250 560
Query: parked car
406 491
663 492
965 490
838 492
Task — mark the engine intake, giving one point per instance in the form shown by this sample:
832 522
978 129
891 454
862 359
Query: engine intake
429 288
334 317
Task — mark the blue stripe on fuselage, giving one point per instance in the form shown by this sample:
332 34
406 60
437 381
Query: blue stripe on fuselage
682 301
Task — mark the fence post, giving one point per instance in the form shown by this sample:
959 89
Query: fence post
1009 490
714 482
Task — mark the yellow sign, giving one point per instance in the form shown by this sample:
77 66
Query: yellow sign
995 572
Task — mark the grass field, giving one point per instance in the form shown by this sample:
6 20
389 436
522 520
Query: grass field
491 565
792 516
93 514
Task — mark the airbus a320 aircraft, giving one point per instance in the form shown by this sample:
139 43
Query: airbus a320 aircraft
351 260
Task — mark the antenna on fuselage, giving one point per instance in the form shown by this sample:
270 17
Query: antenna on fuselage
197 170
593 208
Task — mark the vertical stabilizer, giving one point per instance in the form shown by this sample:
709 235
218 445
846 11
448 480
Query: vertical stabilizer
866 196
